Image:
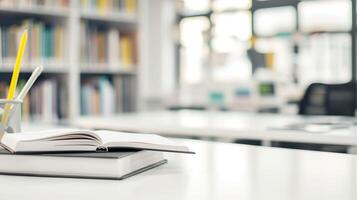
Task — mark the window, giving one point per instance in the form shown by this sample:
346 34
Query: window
231 34
325 58
268 22
333 15
301 41
193 5
221 5
194 49
213 44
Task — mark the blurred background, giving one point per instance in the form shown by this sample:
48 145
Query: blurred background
261 55
106 57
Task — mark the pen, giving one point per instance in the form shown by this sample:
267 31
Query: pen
35 74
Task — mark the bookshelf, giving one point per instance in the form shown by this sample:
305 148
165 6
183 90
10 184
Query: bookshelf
321 41
67 75
114 18
37 11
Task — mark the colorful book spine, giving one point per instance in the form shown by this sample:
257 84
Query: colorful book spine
101 96
106 47
105 6
42 102
45 45
35 3
126 51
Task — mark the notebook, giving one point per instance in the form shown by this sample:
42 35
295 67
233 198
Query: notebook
106 165
74 140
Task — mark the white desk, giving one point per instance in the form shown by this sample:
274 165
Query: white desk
217 171
228 125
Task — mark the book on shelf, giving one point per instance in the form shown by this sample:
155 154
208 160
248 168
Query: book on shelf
106 47
127 51
100 96
113 47
124 94
45 101
1 46
106 93
77 140
45 42
126 87
97 97
35 3
105 6
112 165
119 95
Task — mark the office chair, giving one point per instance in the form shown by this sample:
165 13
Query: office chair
329 99
325 99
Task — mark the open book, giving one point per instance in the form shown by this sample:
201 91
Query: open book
74 140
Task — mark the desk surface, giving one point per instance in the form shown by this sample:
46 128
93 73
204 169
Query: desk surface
216 171
229 125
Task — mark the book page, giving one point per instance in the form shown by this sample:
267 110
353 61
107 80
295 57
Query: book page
63 134
119 140
116 137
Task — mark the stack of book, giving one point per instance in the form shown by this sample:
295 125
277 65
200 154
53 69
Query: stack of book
34 3
103 47
105 6
45 43
83 153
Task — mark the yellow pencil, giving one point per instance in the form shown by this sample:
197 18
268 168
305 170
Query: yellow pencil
14 78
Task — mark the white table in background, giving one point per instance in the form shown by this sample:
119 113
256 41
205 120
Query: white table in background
226 125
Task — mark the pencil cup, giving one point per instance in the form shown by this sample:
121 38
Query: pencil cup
10 116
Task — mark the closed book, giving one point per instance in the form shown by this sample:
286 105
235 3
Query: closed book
130 6
126 56
1 55
106 94
110 165
113 48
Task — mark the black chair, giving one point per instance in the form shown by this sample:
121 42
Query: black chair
329 99
325 99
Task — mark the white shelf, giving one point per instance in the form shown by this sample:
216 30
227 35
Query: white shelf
27 68
36 10
108 70
118 18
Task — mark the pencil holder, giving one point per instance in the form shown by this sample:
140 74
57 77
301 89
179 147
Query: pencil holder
10 116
